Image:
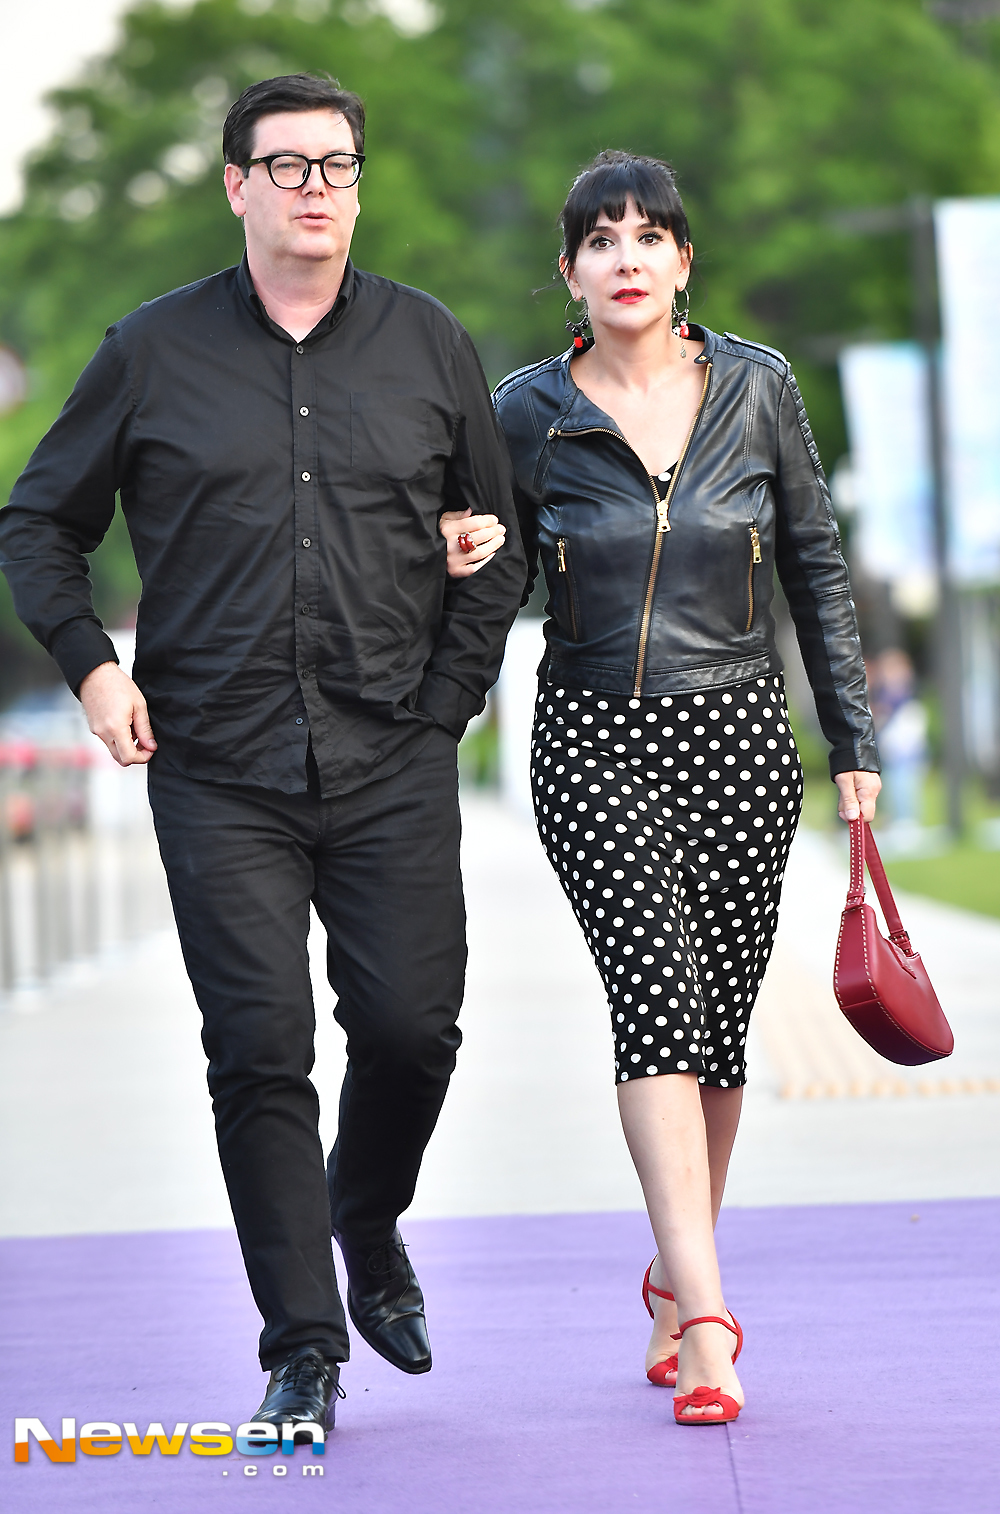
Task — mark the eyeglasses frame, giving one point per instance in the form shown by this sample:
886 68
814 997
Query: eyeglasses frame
359 158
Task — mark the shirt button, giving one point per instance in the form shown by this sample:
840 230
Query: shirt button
298 720
307 541
303 409
299 347
306 477
307 609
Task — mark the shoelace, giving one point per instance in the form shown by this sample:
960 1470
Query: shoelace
302 1368
380 1263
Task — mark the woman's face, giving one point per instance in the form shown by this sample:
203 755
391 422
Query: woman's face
628 272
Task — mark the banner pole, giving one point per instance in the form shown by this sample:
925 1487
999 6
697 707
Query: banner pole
948 627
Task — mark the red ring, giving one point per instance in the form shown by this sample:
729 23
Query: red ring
466 543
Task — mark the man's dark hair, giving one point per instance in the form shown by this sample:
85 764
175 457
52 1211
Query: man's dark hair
289 93
606 186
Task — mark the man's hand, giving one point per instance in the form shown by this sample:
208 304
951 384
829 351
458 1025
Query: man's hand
485 530
858 792
116 712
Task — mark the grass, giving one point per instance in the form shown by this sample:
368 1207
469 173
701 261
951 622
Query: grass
963 874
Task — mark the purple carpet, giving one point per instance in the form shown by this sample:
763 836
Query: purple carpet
537 1402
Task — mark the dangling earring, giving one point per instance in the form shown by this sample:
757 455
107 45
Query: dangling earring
577 325
679 318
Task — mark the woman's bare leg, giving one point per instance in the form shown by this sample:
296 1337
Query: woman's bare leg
680 1136
721 1108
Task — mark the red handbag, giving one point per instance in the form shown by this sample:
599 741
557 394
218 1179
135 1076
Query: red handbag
881 985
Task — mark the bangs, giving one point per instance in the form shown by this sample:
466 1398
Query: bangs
606 188
610 190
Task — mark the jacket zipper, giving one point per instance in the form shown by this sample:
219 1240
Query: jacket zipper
570 597
755 558
662 526
607 431
662 507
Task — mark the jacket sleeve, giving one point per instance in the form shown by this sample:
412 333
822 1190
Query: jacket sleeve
519 433
813 574
60 508
478 610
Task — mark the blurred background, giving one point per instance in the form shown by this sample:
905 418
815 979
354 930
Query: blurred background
841 169
816 147
840 163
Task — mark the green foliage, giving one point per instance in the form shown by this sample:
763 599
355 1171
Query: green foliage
775 113
479 752
965 877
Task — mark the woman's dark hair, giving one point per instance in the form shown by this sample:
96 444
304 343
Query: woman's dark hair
607 185
289 93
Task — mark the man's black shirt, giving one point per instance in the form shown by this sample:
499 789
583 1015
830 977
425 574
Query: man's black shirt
283 500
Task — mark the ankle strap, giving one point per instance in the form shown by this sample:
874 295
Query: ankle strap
704 1319
660 1293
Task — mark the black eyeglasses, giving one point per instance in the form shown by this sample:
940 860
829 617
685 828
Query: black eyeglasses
290 170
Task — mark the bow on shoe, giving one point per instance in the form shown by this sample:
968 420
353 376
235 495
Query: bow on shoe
704 1398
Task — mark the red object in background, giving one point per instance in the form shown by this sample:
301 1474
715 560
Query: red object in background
19 815
881 985
18 754
23 765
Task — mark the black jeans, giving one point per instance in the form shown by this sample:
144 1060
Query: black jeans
381 866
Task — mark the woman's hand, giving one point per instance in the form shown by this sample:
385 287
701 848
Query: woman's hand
484 531
858 792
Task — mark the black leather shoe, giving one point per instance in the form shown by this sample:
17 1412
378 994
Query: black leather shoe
306 1387
386 1304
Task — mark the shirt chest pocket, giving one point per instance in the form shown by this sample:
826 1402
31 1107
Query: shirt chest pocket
395 436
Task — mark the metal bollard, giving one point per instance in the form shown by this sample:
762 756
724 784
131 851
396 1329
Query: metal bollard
8 968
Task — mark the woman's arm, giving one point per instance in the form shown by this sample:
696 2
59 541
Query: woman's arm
814 577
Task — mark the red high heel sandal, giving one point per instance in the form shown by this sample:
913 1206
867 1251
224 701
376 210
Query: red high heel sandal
702 1397
660 1374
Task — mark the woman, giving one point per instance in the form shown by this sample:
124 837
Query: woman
663 472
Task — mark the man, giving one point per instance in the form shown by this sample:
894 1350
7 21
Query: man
285 436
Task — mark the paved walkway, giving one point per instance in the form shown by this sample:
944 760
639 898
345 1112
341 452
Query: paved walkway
103 1103
124 1297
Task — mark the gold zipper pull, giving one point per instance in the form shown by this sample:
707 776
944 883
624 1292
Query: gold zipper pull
662 517
755 543
561 546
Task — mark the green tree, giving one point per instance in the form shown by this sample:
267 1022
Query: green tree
775 112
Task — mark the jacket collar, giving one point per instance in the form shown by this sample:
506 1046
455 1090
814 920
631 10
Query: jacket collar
332 318
578 413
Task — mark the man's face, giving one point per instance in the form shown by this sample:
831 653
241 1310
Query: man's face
312 223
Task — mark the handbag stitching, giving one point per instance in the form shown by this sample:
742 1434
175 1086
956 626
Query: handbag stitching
878 1001
875 1000
923 1046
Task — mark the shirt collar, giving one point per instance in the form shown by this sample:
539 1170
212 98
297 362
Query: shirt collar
326 324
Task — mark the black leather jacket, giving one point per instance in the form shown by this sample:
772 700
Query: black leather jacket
649 598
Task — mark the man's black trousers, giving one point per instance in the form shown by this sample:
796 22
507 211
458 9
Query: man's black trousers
381 866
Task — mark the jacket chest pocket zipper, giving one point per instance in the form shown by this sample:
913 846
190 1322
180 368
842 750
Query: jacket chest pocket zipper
562 548
755 558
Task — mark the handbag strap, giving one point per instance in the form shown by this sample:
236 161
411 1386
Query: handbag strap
864 853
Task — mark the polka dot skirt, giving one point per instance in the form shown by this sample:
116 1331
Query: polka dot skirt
668 822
